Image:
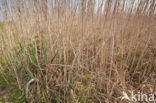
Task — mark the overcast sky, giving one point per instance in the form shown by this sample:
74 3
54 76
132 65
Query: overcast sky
97 4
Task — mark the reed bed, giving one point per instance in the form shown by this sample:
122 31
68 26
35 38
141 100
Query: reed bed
76 51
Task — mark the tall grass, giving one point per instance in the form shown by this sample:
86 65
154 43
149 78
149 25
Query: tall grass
77 51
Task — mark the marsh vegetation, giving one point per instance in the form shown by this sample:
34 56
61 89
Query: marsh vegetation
76 51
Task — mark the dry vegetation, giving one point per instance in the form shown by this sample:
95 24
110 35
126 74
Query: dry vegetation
54 52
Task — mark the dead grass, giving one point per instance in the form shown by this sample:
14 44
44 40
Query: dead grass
70 57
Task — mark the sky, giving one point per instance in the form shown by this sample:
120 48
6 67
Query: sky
1 18
97 4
